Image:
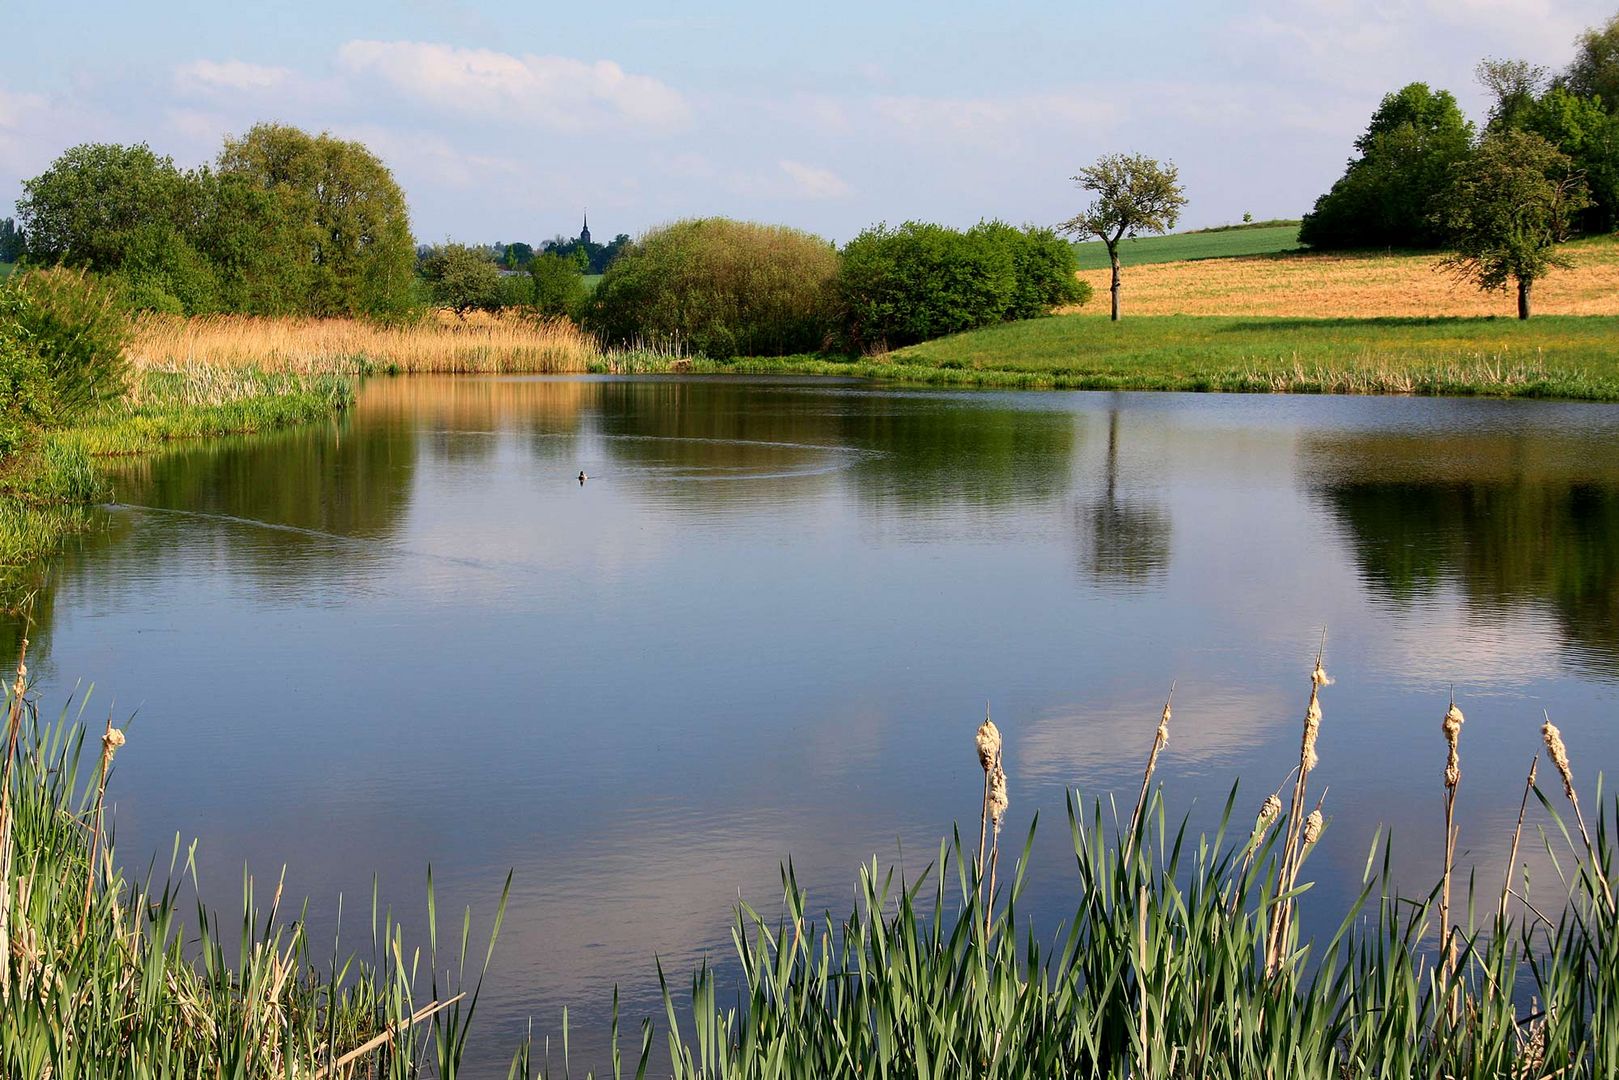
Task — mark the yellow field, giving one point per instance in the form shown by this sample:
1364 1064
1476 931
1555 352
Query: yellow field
442 343
1352 286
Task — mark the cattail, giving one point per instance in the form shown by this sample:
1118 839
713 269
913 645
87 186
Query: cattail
1319 676
1312 826
1163 728
989 759
1559 755
1312 727
111 741
989 743
997 796
1268 812
1452 727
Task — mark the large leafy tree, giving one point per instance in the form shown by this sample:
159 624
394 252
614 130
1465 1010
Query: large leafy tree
99 203
1507 209
334 210
1134 195
1389 191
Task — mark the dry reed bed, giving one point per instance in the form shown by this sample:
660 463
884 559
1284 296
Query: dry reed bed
1352 286
440 343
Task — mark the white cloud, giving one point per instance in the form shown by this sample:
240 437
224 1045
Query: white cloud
815 183
555 92
211 76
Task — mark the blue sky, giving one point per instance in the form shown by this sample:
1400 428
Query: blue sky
502 120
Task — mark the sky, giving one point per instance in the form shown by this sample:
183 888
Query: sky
505 121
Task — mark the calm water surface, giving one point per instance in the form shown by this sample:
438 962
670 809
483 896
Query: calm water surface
768 624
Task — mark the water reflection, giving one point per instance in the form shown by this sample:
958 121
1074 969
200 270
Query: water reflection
1123 540
766 628
1512 519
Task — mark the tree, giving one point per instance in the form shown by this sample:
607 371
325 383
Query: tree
559 287
1595 70
1507 209
1386 197
336 209
462 278
1514 85
98 201
1134 194
12 241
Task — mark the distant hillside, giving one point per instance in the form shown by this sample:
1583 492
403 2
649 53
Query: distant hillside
1260 238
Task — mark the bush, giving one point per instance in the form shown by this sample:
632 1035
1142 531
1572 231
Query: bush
725 288
515 291
557 286
75 326
917 282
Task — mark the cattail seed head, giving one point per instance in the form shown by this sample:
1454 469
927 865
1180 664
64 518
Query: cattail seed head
998 801
1163 728
1269 810
1320 677
110 742
1559 756
1452 727
1312 826
989 744
1312 728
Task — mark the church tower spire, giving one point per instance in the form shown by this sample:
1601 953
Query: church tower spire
584 233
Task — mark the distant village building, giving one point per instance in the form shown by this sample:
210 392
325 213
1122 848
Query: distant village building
584 233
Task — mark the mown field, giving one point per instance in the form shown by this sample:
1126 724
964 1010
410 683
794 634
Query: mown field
1260 238
1368 285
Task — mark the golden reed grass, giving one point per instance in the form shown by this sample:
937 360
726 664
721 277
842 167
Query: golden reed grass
1351 286
480 343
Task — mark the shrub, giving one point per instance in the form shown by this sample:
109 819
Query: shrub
75 326
1043 266
725 287
901 286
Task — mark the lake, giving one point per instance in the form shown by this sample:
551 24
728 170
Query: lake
769 622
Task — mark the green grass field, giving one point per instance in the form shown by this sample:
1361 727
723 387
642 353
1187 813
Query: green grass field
1261 238
1549 356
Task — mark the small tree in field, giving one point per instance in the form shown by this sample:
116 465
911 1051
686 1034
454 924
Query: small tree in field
1508 207
1134 194
462 278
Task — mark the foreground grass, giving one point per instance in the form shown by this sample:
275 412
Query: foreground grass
1183 957
1260 238
102 976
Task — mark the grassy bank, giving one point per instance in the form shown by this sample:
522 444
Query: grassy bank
1260 238
48 486
1183 956
1551 357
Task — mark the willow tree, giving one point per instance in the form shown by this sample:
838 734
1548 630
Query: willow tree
1508 208
1134 195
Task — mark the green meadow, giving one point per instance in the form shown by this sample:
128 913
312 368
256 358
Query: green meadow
1260 238
1550 356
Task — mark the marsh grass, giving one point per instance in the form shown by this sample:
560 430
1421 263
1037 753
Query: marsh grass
441 342
1182 959
105 976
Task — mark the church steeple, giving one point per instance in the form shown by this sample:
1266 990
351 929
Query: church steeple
584 233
